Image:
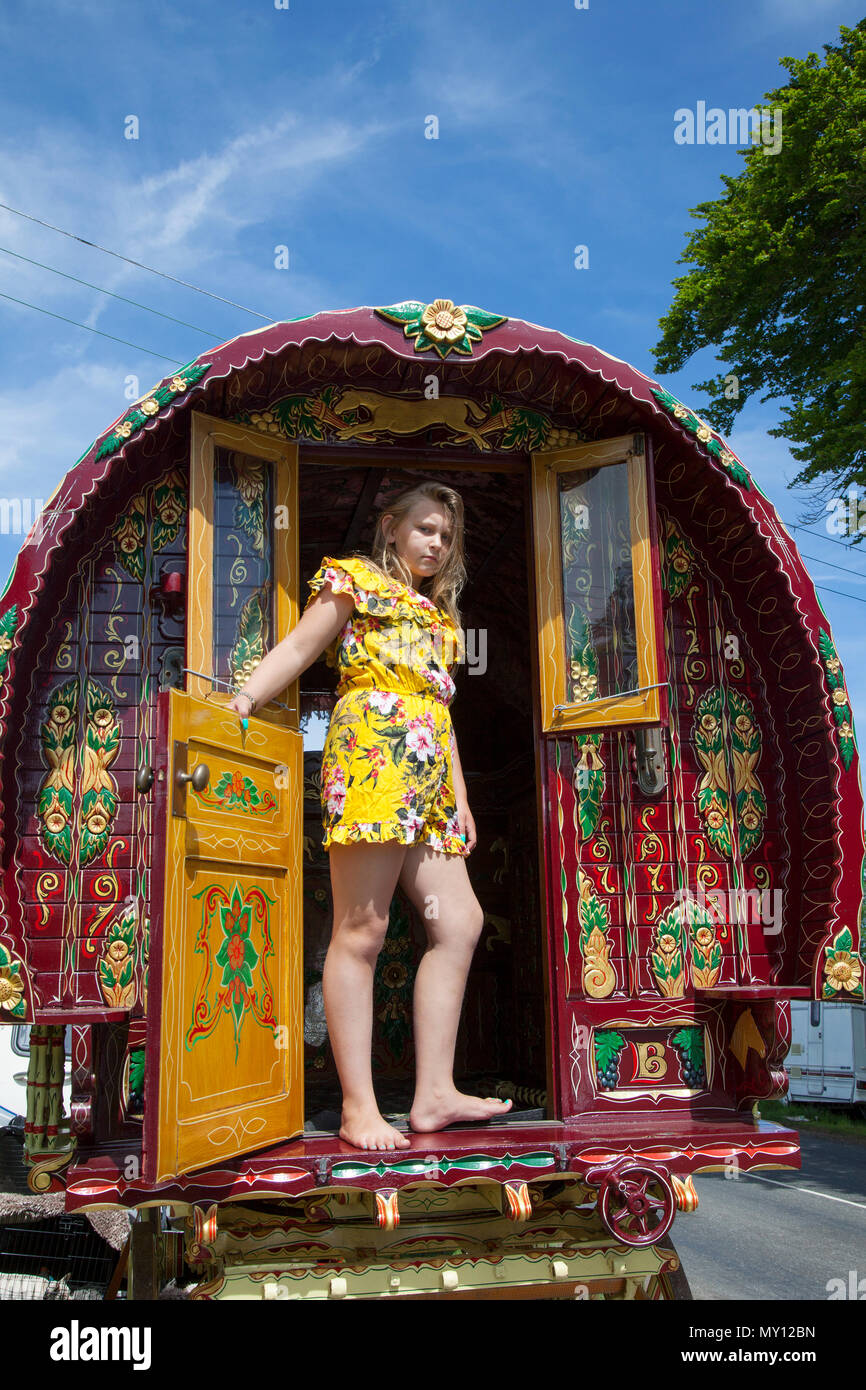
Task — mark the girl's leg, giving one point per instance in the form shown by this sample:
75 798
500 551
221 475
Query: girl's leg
363 879
439 888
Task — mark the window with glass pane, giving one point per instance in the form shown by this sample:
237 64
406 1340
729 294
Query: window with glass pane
243 557
598 583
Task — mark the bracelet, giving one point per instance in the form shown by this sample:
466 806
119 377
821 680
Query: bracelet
251 698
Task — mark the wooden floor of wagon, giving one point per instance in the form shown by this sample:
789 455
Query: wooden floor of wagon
515 1151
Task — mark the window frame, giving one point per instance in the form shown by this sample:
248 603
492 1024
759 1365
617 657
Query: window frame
649 704
208 432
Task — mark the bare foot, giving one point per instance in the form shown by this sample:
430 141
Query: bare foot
365 1128
437 1111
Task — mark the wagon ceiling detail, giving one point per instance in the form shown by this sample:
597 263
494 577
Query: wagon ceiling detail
443 326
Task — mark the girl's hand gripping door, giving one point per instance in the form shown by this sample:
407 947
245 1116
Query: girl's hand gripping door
224 1057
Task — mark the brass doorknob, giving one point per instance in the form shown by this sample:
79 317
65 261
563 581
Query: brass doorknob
200 776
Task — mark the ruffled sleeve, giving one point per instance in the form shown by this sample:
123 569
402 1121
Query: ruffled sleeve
371 593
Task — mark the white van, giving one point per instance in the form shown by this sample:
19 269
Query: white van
827 1059
14 1061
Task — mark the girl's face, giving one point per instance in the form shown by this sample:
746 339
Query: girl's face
422 539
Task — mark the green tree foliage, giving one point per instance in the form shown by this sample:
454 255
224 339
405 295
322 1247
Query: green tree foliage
779 285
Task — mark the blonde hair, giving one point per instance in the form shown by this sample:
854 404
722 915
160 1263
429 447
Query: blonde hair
442 588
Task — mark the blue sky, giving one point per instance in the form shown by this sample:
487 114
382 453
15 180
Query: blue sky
305 127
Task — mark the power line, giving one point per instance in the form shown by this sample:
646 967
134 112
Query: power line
853 597
822 535
174 361
122 297
139 264
844 568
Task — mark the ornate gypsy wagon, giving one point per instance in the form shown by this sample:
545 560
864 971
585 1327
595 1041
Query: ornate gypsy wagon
660 760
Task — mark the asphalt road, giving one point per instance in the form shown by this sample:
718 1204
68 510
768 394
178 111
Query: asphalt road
780 1234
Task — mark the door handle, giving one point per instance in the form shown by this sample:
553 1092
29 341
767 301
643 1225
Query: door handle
200 776
144 778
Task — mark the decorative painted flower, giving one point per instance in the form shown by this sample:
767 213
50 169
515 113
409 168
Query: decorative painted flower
56 822
117 951
170 509
124 430
11 988
843 971
710 723
681 412
395 975
704 433
834 664
715 819
96 821
127 537
442 325
751 821
443 321
743 724
177 384
667 944
236 952
704 937
5 642
149 406
62 715
840 697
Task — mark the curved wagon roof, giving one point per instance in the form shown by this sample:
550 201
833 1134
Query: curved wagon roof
576 384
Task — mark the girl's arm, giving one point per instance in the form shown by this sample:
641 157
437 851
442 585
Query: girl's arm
326 616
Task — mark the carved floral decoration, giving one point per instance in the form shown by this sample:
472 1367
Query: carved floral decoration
666 959
12 1002
442 326
117 965
843 971
89 761
151 405
838 696
168 501
714 802
7 630
706 436
680 560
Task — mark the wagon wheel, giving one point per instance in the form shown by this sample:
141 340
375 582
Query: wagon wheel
636 1204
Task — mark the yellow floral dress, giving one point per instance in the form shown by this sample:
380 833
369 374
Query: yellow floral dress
388 755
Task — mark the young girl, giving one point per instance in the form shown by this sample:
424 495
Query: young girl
394 801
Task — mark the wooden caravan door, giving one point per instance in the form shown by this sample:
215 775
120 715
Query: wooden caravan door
225 1037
